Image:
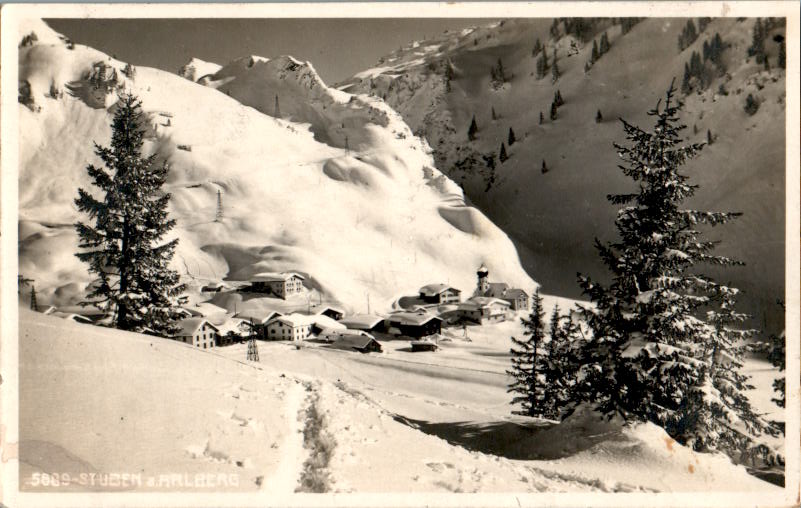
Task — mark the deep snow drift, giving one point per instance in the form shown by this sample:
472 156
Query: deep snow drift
338 189
554 217
95 400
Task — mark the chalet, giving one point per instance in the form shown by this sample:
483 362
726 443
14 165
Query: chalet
483 309
517 298
299 326
365 322
213 287
413 324
332 312
232 330
360 343
281 285
197 332
439 294
259 320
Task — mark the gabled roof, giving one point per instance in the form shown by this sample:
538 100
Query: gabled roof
191 325
71 316
234 325
328 307
296 319
361 321
274 277
412 318
435 289
514 293
479 302
259 317
496 289
353 341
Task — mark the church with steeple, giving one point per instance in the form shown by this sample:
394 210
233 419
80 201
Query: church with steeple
517 298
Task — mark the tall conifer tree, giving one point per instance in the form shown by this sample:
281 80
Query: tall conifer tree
123 246
651 355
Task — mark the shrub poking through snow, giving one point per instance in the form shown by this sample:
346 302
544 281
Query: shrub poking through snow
320 443
651 356
751 105
122 246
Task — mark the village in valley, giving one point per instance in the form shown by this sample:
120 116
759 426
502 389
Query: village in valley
286 312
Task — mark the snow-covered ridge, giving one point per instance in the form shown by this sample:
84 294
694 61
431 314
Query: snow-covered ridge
337 188
196 69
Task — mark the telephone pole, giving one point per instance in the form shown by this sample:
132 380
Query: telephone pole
219 215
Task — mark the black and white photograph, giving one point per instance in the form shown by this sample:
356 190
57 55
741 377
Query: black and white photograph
437 254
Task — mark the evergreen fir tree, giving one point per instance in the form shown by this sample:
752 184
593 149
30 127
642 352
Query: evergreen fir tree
277 112
709 138
703 23
604 48
650 356
595 55
557 98
706 50
511 138
544 168
555 72
685 82
777 356
489 162
542 118
494 116
471 132
122 246
502 154
751 105
537 48
553 111
34 305
757 47
500 72
782 59
599 117
527 360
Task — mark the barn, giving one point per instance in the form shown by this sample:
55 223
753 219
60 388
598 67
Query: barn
416 325
360 343
439 294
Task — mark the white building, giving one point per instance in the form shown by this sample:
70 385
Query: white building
300 326
197 332
484 309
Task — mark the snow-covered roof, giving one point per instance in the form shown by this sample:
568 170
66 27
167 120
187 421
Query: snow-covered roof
275 277
258 316
234 325
191 325
328 307
435 289
514 293
359 321
72 317
479 302
320 320
353 341
411 318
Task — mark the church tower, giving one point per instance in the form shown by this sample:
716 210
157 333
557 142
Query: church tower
483 280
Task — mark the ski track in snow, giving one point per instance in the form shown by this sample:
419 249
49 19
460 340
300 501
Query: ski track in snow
285 478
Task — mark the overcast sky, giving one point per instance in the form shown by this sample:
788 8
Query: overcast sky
338 48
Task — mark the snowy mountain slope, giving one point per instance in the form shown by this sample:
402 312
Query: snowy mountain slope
89 405
553 217
196 69
367 218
